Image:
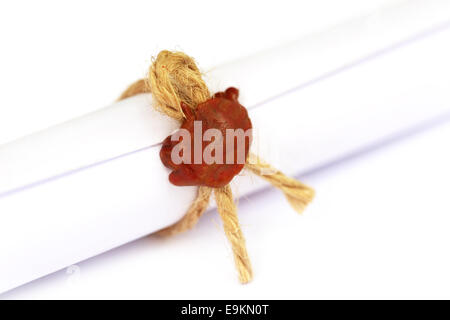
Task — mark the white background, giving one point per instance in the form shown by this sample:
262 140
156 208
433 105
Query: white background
377 229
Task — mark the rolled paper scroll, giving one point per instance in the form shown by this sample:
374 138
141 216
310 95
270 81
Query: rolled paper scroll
84 187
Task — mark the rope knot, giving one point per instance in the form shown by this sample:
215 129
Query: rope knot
176 83
174 78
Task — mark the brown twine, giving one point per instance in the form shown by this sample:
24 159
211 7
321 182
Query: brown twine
174 78
297 194
191 217
228 213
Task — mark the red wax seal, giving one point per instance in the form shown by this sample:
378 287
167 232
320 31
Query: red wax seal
212 143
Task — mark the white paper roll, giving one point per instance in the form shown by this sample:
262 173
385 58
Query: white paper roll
95 183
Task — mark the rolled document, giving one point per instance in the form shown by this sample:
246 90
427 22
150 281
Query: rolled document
89 185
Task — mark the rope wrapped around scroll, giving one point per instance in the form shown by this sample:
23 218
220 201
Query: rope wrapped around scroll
178 90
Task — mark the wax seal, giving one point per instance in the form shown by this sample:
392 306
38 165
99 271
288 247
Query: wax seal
212 144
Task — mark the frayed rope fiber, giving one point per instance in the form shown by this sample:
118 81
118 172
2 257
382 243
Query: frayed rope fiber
174 78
